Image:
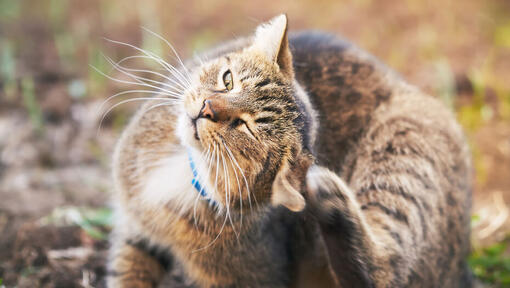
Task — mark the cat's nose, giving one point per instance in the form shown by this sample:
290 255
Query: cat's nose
207 111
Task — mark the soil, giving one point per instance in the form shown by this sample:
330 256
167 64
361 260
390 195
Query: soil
52 155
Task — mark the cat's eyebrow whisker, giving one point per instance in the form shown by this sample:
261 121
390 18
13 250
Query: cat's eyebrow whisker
171 47
176 82
143 81
156 58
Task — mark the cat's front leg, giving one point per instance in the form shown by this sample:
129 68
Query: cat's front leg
351 249
133 263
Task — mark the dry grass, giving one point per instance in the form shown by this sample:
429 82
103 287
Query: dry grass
51 156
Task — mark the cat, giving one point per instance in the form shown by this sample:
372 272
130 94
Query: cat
291 161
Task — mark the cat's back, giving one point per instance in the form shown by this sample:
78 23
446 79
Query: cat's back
353 92
400 150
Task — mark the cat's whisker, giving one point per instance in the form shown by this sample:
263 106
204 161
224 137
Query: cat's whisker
195 219
151 55
171 47
127 101
126 70
159 105
156 58
130 92
117 64
162 68
226 218
158 89
238 187
198 59
226 183
200 192
242 174
142 80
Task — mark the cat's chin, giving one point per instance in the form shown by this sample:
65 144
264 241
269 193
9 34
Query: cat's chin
186 133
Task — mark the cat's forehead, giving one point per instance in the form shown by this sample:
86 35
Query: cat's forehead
242 62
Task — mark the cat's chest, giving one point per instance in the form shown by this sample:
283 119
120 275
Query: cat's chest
169 183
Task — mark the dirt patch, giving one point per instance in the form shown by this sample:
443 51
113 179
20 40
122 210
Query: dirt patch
52 256
51 155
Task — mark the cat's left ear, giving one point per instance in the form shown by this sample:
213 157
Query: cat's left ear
288 183
271 39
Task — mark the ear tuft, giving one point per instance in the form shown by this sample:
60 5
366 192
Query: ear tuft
284 194
271 39
289 181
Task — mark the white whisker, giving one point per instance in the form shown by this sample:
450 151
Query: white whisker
226 218
226 181
156 58
242 173
238 188
142 80
159 105
127 101
132 91
171 47
200 192
126 71
175 81
158 89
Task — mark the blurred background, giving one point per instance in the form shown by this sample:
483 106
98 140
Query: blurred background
54 160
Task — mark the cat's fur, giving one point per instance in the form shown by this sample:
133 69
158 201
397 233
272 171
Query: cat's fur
360 179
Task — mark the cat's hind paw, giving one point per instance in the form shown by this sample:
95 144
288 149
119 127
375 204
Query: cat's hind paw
326 191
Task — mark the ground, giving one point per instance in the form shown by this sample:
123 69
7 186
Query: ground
54 160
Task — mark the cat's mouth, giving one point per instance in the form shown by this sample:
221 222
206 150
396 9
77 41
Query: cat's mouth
195 129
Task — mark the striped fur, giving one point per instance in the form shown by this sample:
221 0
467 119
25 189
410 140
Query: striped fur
383 170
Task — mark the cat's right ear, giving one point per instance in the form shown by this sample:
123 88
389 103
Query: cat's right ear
271 39
289 181
285 191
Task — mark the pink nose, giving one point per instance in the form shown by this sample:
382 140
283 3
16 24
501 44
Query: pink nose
207 111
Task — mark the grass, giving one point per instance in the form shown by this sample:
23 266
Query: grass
8 67
96 222
31 104
492 264
9 9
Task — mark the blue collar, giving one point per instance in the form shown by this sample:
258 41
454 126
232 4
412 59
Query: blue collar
196 183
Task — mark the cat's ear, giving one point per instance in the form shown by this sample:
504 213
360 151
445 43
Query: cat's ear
271 39
288 183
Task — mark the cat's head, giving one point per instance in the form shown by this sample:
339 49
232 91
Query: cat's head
243 113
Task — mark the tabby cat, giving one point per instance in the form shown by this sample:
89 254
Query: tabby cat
291 161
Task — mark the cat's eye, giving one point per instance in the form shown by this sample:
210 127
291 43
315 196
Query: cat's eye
237 122
227 80
240 124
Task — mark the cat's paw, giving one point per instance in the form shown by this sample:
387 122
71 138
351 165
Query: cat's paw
325 191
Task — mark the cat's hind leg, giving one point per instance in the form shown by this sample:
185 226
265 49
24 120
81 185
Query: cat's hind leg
352 250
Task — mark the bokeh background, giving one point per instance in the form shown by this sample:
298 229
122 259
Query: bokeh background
54 163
